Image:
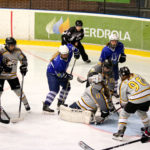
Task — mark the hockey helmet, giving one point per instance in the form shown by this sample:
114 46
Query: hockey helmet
124 71
97 78
63 49
79 23
10 41
107 67
107 63
114 37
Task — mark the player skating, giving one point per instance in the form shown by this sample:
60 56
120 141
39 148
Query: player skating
58 77
134 97
114 51
74 35
11 55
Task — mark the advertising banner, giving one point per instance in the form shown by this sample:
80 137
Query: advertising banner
133 33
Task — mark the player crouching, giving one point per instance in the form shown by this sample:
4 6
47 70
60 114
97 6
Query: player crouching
94 105
134 97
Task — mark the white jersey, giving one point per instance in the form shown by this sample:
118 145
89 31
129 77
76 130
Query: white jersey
135 90
13 57
92 98
87 101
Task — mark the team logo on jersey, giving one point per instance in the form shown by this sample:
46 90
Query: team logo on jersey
57 27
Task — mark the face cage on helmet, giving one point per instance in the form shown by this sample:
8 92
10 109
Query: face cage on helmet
107 72
112 45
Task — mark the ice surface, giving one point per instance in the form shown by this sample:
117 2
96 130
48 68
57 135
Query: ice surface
47 132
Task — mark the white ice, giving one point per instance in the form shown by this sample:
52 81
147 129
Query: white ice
47 132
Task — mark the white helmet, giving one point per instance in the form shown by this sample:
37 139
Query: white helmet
63 49
113 37
95 78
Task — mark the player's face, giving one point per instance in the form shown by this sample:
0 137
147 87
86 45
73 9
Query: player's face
64 56
113 43
78 28
11 47
106 71
123 78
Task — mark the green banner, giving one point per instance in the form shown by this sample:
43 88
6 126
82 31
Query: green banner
111 1
133 33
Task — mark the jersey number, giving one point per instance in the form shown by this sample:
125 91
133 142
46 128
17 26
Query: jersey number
134 85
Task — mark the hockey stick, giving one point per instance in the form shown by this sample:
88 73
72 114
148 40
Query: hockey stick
15 120
68 82
2 120
138 140
85 146
73 66
80 80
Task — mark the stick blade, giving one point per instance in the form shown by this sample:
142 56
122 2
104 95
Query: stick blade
16 120
5 121
85 146
80 80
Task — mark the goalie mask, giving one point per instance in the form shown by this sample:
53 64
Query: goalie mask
97 78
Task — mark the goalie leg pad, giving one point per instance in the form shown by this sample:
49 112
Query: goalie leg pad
75 115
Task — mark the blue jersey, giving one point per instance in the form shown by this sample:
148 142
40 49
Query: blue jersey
1 58
59 66
107 53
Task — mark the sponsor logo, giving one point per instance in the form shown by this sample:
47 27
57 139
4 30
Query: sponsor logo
105 33
57 27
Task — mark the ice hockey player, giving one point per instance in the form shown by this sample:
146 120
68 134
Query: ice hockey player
134 97
96 100
11 55
57 75
114 50
106 68
74 35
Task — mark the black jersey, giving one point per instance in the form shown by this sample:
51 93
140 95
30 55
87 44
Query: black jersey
72 35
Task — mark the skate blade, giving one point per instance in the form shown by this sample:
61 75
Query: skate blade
117 138
48 113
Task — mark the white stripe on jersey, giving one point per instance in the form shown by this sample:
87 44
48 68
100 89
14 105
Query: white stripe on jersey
123 120
140 95
83 104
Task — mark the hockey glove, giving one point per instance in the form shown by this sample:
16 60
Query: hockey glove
98 118
23 69
111 106
7 68
67 76
76 56
146 136
122 58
